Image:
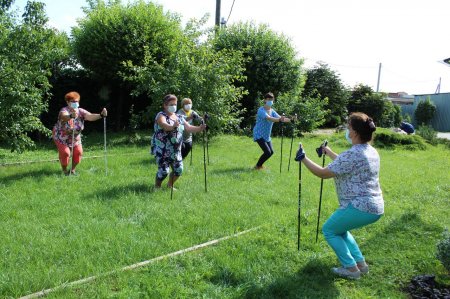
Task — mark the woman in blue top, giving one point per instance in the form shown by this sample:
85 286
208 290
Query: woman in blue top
265 118
167 140
356 176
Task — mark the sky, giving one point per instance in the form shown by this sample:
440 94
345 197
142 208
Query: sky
408 37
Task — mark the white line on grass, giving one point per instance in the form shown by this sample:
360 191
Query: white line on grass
57 160
137 265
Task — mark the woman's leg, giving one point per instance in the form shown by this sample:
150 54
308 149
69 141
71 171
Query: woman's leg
267 151
77 154
63 154
336 231
163 170
185 149
177 170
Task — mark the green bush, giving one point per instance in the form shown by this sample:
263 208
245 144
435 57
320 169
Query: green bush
428 133
443 250
387 138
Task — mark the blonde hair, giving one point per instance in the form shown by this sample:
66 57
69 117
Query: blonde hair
186 101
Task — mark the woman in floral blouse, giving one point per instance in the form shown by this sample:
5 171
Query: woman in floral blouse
71 121
356 175
167 139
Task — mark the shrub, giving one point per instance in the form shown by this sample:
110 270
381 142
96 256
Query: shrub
424 112
387 138
443 250
428 133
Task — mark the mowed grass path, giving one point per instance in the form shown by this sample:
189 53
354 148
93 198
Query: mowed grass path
56 229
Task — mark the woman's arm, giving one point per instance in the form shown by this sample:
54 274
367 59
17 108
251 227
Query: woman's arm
318 170
94 116
161 121
193 129
329 153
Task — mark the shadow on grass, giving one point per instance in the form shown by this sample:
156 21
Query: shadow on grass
315 280
36 174
232 171
117 192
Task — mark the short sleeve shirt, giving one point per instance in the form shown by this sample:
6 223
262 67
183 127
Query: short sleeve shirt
357 179
167 145
62 132
263 127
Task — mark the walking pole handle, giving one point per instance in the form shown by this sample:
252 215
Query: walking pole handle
319 150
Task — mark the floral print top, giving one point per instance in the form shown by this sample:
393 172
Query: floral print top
357 179
62 132
167 145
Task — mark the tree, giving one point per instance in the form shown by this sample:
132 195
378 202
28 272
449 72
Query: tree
325 83
28 52
364 99
113 34
270 63
424 112
196 71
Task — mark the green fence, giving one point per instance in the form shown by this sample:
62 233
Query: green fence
441 120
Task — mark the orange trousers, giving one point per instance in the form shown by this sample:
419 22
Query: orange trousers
64 154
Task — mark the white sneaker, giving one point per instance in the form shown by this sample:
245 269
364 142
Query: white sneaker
344 272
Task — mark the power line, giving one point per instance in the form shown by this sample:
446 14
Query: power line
232 5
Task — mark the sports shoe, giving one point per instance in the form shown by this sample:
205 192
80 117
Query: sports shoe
364 269
344 272
259 167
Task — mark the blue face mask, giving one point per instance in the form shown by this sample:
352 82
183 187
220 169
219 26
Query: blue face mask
74 105
269 103
347 136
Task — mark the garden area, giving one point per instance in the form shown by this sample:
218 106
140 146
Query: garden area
57 229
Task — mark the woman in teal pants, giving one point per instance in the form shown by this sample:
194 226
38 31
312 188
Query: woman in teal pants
356 175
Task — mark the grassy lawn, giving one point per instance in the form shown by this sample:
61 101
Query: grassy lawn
56 229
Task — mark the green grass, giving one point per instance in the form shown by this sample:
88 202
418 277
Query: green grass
57 229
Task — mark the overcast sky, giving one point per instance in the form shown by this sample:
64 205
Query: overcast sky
408 37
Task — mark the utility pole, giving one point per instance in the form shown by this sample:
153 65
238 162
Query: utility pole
217 13
379 74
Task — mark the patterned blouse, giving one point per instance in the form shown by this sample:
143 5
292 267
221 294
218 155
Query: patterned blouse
357 179
263 127
167 145
62 132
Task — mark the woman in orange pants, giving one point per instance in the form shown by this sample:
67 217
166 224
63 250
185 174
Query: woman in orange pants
71 122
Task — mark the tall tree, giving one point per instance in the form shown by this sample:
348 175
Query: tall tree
325 83
196 71
28 53
271 63
113 34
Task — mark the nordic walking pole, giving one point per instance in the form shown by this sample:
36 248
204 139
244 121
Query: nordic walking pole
281 151
104 138
71 150
204 155
192 149
298 157
320 153
292 140
206 117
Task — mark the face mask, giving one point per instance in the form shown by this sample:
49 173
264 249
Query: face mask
187 107
269 103
347 136
172 108
74 105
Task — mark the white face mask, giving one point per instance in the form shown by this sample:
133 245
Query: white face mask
74 105
347 136
187 107
172 108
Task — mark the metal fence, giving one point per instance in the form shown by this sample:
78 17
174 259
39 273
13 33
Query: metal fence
441 120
